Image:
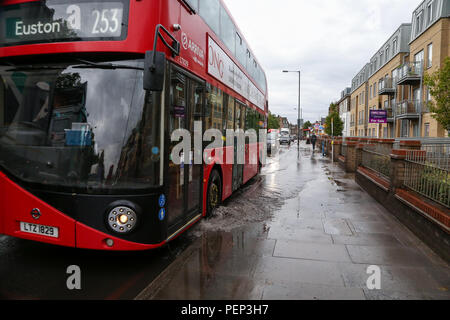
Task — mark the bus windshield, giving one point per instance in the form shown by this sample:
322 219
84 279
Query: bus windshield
84 127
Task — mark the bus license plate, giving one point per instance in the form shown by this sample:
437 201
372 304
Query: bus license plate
39 229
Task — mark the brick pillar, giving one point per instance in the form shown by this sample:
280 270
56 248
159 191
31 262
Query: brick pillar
397 168
350 159
337 150
386 145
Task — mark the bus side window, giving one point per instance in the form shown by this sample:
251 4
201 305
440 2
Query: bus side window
208 108
230 113
2 103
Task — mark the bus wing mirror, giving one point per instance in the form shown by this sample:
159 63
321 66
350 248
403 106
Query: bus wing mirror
154 70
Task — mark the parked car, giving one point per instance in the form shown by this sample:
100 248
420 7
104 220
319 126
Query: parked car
273 143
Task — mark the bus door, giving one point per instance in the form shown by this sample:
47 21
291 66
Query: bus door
238 169
184 179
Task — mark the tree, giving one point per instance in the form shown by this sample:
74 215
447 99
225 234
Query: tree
439 85
337 127
334 107
273 122
307 125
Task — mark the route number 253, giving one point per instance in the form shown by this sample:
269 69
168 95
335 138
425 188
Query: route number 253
106 21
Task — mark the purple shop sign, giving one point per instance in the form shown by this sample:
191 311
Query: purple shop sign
179 111
378 116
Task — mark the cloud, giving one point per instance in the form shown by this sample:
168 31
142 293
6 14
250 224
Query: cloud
328 40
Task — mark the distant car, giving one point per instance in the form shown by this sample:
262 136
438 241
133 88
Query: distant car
273 142
285 137
285 140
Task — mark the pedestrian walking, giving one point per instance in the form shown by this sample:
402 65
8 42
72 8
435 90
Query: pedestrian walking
323 149
313 141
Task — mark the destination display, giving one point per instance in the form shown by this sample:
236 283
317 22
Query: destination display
55 21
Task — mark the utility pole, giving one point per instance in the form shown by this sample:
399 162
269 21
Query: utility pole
300 113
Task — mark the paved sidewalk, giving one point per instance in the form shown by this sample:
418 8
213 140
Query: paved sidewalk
316 243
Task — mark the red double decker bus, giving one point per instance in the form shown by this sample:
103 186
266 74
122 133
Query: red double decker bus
90 94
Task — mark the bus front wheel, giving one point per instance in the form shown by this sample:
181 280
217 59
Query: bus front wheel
214 196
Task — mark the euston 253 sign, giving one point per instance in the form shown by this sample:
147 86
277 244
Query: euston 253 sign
49 21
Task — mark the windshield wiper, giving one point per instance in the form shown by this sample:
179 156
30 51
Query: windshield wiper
102 65
30 67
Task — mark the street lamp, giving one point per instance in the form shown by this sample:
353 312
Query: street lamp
299 109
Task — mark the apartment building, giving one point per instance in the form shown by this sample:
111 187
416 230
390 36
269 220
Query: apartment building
428 47
344 110
359 103
383 75
393 79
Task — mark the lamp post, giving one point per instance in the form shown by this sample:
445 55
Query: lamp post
299 110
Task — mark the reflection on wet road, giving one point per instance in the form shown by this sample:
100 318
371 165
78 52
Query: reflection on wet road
303 230
30 270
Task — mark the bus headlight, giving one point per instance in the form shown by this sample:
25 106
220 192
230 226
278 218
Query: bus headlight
122 219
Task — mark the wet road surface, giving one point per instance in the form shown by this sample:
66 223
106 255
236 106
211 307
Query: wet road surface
303 230
31 270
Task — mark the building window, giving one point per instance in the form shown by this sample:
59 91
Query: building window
419 61
430 55
430 12
427 130
394 76
419 22
387 54
394 46
428 94
415 129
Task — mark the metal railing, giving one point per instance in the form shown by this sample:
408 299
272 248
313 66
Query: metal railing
427 172
386 84
377 158
408 107
410 69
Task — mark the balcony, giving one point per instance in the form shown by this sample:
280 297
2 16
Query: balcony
410 73
386 86
390 114
408 109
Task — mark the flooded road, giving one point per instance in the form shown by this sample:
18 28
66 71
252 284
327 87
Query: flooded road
303 229
31 270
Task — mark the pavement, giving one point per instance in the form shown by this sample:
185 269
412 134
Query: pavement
302 230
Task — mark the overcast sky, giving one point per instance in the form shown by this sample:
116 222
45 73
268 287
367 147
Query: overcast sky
328 40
